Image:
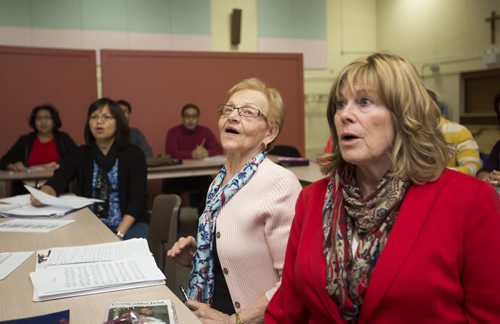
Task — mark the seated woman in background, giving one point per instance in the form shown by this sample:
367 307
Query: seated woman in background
391 235
45 147
108 167
491 169
238 255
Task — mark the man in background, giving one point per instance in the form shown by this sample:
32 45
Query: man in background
136 136
189 140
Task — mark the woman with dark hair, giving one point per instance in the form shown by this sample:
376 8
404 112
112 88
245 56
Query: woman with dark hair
45 147
108 167
491 168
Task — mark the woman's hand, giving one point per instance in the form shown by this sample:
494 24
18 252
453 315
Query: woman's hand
199 153
207 314
494 178
50 165
35 202
182 251
17 167
48 190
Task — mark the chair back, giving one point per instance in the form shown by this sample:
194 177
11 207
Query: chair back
285 150
163 232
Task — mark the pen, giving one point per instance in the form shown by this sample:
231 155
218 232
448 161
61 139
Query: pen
184 293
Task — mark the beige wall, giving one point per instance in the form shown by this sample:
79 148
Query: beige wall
450 33
220 24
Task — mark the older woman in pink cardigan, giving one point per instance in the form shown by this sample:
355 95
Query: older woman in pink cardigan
238 255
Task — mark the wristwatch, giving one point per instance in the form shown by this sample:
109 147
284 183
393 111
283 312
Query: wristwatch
120 234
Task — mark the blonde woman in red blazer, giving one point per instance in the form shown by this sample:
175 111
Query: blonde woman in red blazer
391 235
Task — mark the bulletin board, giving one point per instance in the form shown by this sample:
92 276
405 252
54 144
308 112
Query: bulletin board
32 76
159 83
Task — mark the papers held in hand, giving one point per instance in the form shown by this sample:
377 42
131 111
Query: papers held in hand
74 202
54 206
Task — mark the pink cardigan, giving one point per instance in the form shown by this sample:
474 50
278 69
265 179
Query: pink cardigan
440 265
252 230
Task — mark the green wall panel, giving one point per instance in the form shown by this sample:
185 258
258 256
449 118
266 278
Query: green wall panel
292 19
149 16
191 17
146 16
104 15
56 14
15 13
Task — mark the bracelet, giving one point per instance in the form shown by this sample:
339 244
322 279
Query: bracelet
238 320
120 234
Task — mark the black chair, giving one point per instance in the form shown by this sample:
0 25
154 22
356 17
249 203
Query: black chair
285 150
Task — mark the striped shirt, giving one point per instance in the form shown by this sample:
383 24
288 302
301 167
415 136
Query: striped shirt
465 158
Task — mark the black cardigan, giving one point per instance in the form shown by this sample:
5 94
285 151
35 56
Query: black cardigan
20 151
132 178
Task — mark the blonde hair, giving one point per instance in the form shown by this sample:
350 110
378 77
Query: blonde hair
277 114
420 152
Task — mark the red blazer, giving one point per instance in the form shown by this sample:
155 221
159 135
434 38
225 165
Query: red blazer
441 263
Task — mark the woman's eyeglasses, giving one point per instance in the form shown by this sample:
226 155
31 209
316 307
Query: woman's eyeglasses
104 118
243 111
43 118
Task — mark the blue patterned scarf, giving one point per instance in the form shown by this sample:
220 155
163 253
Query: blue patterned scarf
201 283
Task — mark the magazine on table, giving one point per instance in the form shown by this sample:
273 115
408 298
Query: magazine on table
152 311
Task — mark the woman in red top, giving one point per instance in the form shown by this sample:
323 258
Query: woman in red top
46 146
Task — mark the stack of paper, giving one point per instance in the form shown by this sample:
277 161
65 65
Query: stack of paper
90 269
53 206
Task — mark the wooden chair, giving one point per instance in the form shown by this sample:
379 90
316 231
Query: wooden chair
3 189
163 232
